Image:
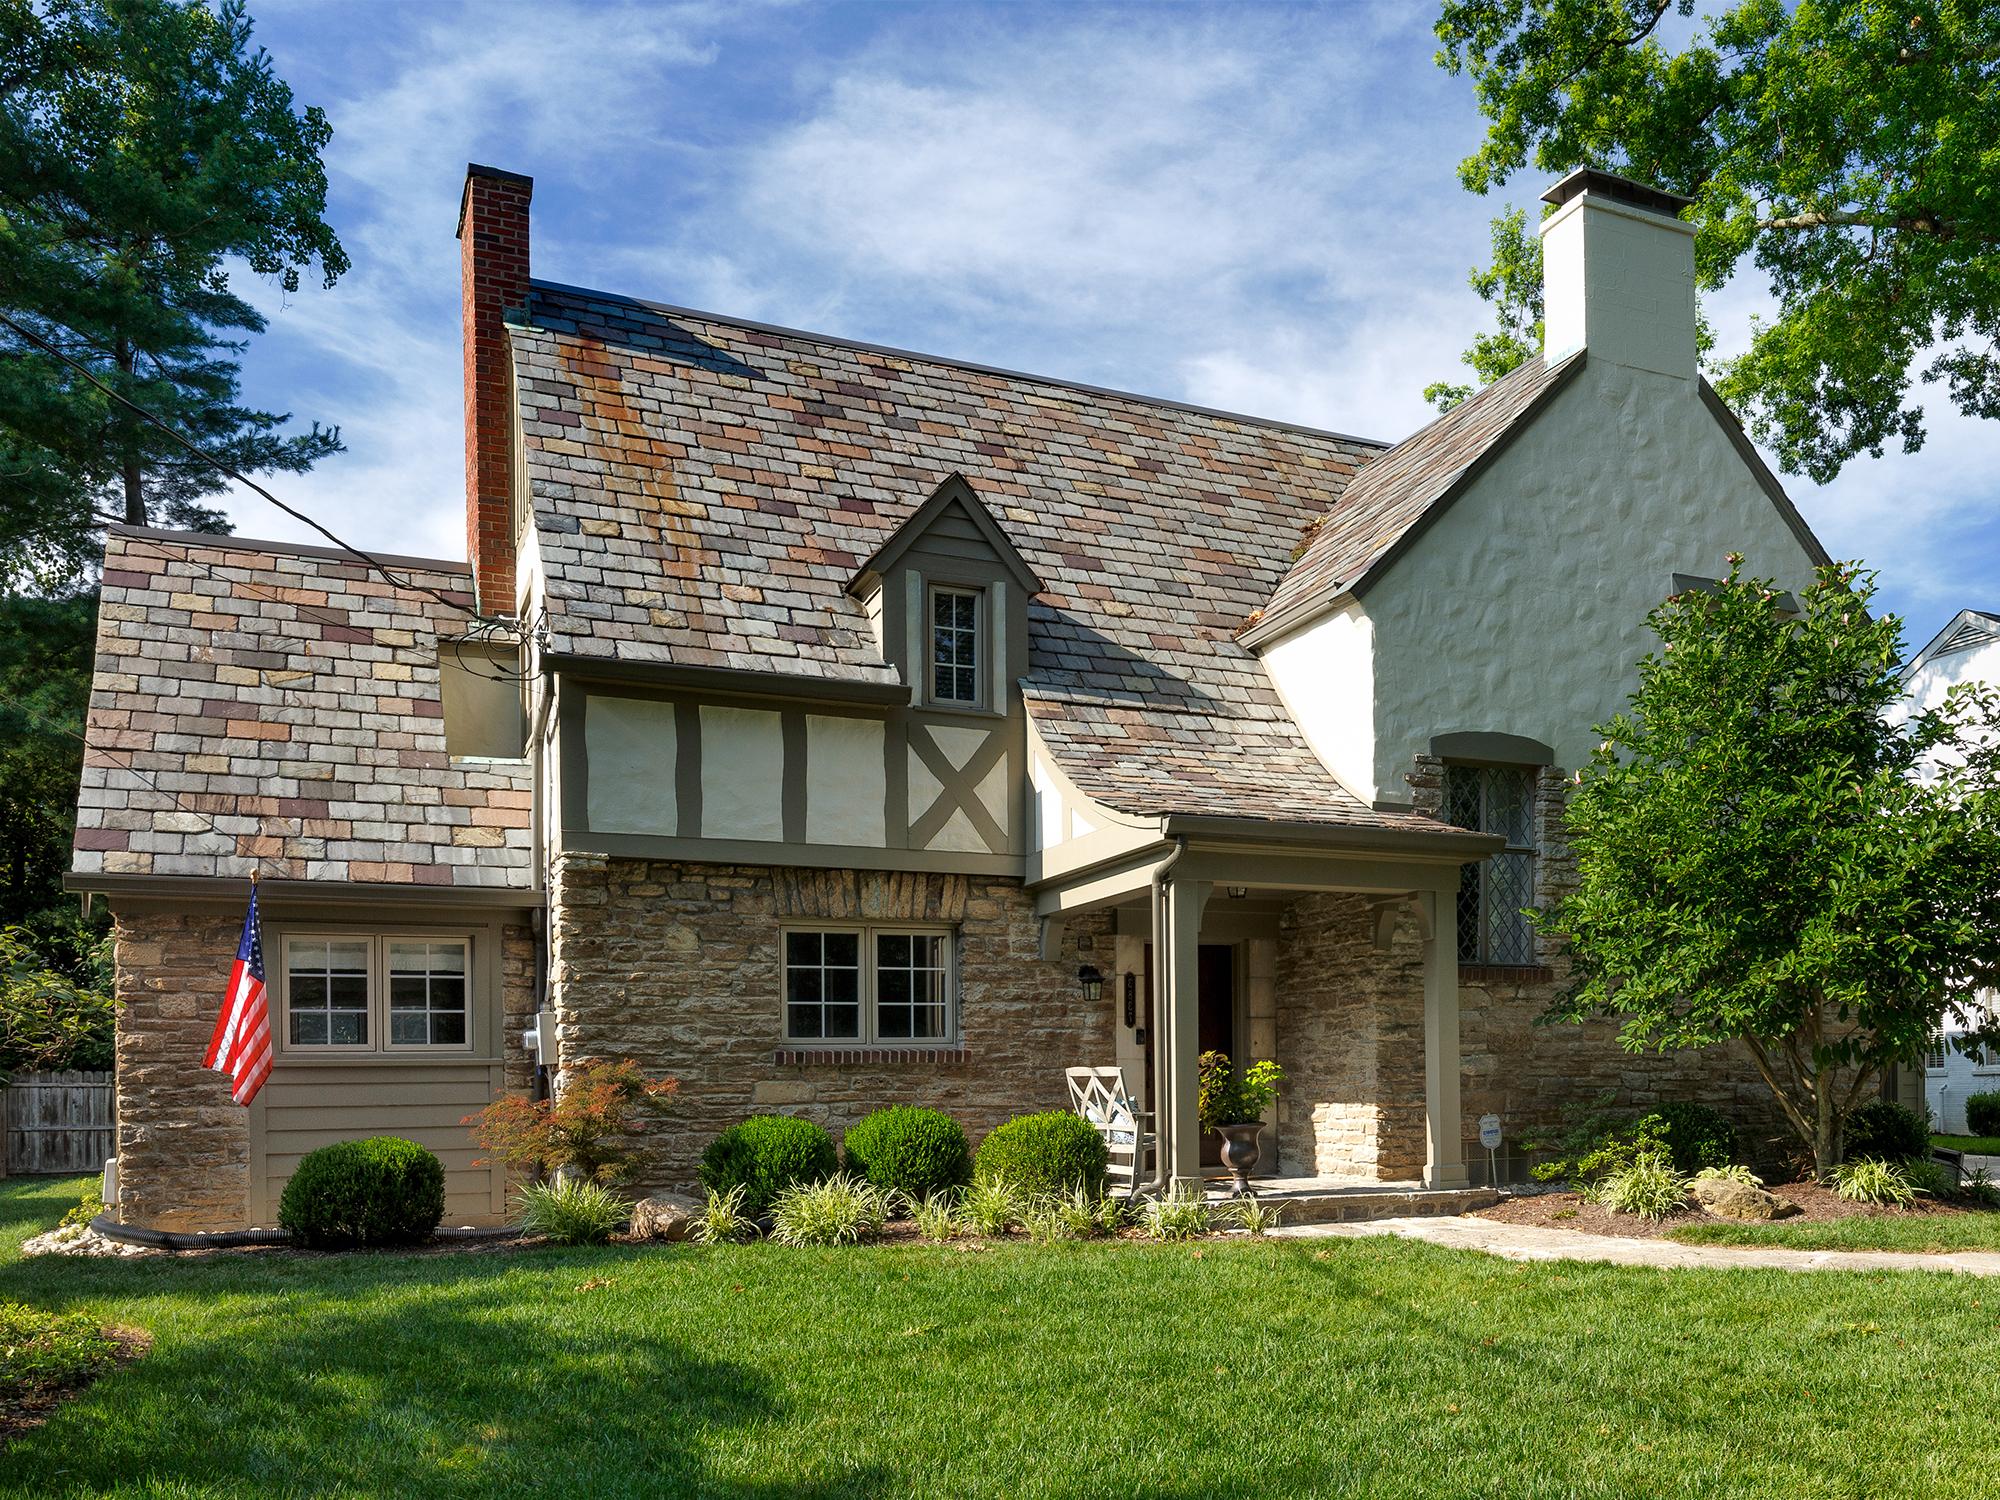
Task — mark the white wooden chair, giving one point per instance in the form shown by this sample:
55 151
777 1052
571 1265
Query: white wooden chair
1100 1096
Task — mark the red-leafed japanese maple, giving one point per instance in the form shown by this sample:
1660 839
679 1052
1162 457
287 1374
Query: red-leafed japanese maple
589 1127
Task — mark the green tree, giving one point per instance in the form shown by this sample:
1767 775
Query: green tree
1774 848
145 151
45 657
1847 148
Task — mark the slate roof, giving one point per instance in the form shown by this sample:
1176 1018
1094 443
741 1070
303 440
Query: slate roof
256 705
703 489
1355 540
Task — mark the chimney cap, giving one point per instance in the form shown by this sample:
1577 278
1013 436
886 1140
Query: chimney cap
474 169
1619 189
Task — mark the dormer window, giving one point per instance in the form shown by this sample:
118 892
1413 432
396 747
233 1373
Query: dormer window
955 646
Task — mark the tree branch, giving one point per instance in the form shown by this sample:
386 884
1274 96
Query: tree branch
1762 1059
1918 223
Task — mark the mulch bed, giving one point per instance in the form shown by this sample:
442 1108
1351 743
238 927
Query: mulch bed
1574 1211
24 1408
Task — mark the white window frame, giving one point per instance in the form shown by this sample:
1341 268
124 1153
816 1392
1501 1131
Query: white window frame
869 995
981 645
377 1010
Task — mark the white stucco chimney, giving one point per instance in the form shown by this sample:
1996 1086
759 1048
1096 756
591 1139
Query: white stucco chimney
1618 274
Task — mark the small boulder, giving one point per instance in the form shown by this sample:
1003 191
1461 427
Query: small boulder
665 1216
1736 1200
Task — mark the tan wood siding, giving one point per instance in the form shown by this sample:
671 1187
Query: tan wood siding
310 1107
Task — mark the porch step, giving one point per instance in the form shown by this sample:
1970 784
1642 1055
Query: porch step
1334 1204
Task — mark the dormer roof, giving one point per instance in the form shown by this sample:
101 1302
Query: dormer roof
955 496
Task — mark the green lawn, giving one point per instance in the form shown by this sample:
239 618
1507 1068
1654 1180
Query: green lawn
1977 1145
1279 1368
1924 1232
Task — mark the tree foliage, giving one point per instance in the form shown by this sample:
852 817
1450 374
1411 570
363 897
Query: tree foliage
45 655
49 1019
145 151
1773 848
587 1128
1848 149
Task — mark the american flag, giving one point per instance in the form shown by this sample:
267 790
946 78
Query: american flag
241 1045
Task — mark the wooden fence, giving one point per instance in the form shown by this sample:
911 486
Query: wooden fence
59 1122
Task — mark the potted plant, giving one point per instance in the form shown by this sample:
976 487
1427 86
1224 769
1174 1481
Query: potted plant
1232 1105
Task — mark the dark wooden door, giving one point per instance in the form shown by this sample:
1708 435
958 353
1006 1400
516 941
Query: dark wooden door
1215 1023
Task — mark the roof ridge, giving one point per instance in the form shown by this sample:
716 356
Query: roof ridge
229 541
951 362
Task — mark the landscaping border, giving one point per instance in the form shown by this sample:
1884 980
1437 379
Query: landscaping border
242 1239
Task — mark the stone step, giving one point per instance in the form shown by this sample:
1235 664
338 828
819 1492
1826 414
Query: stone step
1347 1205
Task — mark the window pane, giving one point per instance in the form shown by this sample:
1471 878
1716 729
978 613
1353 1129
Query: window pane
1508 939
308 1028
843 1022
349 955
308 991
326 992
801 947
448 992
407 1028
1461 796
1510 805
348 992
447 1029
406 993
843 986
802 1020
893 948
347 1028
1468 914
893 1022
802 986
843 950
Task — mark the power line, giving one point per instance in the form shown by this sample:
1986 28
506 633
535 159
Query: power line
222 468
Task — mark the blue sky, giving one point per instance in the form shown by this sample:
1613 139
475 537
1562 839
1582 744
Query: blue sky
1252 207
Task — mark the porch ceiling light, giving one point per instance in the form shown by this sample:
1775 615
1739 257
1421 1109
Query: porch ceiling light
1092 981
1238 892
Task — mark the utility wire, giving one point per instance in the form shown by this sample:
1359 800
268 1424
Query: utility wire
222 468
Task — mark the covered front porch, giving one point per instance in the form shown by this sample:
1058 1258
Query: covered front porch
1332 950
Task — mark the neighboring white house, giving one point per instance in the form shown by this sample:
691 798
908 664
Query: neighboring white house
1966 650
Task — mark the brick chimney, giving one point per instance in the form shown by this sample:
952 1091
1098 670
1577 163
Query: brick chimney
1618 274
493 261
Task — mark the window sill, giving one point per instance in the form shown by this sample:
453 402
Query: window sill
947 1056
1505 974
402 1057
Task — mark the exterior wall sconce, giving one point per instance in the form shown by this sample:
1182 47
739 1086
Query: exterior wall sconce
1092 980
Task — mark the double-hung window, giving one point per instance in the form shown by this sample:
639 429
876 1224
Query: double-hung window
370 993
955 646
865 985
1493 893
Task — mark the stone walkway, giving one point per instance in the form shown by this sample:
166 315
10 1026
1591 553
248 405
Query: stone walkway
1532 1242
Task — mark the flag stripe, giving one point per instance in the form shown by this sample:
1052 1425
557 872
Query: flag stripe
241 1043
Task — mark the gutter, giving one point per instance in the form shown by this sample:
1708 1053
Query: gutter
742 682
320 892
1456 844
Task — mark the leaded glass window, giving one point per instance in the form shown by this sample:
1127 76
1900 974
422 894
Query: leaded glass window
1492 894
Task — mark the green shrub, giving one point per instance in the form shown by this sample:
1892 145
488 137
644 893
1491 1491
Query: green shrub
722 1219
1980 1189
840 1210
1044 1155
1982 1114
764 1155
1589 1142
1183 1214
1696 1136
1253 1215
382 1191
1648 1187
1933 1179
935 1215
1883 1131
573 1212
990 1206
1870 1180
915 1152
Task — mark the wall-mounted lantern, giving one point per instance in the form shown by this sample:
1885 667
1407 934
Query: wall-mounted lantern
1091 978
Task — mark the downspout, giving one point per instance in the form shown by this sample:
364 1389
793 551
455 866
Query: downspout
1163 969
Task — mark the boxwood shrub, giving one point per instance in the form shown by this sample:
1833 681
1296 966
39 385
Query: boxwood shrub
381 1191
1884 1131
764 1155
1696 1136
1047 1153
907 1150
1982 1114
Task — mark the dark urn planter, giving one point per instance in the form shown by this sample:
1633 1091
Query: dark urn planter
1240 1151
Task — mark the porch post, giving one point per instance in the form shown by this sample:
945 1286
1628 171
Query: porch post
1177 1118
1444 1158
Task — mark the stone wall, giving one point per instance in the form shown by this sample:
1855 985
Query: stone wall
677 965
1351 1042
183 1145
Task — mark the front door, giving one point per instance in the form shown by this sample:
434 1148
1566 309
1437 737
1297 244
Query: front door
1215 1021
